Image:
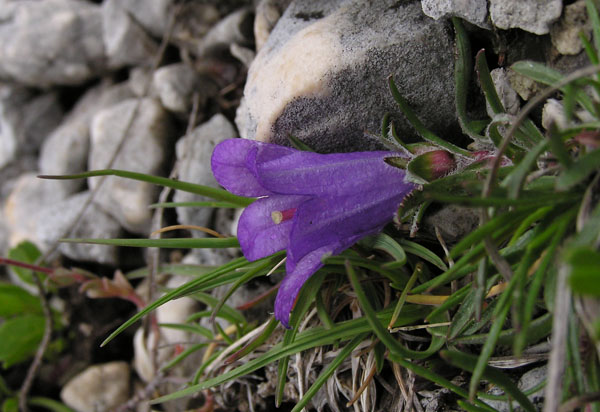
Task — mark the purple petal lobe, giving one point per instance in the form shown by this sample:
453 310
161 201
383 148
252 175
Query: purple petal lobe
233 165
331 174
293 281
326 220
258 234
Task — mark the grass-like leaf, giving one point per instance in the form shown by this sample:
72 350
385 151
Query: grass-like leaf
214 193
183 243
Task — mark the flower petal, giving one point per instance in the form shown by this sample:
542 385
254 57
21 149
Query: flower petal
326 174
329 219
233 165
258 235
294 279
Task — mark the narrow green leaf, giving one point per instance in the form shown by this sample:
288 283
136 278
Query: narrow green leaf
514 181
178 243
181 291
213 193
422 252
557 147
299 144
467 362
581 169
380 330
585 270
419 126
487 84
387 244
49 404
222 205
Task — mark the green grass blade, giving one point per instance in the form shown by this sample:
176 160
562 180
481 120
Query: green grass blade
422 252
222 205
581 169
177 293
487 84
467 362
514 181
214 193
419 126
178 243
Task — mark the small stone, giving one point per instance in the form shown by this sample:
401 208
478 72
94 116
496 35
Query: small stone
473 11
193 154
175 85
25 121
322 74
553 113
534 16
234 28
267 13
193 22
153 15
52 221
145 151
125 40
453 221
243 54
65 150
508 96
523 85
36 211
565 33
51 42
99 388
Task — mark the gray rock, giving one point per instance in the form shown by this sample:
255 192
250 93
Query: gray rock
65 151
508 96
25 121
145 150
126 42
175 85
534 16
565 33
267 14
234 28
193 155
95 224
152 15
194 21
37 212
473 11
322 74
50 42
140 79
99 388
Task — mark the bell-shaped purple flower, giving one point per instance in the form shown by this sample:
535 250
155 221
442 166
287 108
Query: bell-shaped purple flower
310 204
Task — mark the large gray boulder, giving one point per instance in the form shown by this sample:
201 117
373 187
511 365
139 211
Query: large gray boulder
43 43
322 74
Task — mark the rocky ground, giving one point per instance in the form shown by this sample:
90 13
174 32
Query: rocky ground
153 85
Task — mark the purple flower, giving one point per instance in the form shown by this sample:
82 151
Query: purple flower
310 204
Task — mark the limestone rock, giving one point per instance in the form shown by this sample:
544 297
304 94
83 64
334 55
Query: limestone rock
193 154
508 96
43 43
145 150
473 11
175 85
65 150
37 212
534 16
565 33
267 13
99 388
126 42
25 121
322 75
152 15
234 28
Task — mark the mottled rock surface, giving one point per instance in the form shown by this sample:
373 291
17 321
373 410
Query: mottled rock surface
44 43
193 155
322 74
145 150
534 16
473 11
99 388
